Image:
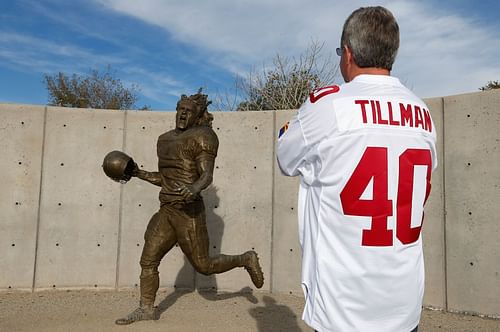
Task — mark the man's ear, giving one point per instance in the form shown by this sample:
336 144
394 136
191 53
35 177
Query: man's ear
348 54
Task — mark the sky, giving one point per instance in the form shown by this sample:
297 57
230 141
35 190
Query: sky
174 47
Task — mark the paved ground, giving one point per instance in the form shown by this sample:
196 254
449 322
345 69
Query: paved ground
183 311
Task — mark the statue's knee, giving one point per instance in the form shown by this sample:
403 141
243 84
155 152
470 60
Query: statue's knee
149 271
148 268
203 266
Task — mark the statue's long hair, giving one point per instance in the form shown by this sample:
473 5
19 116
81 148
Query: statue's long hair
201 101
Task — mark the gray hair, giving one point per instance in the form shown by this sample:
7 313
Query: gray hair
372 34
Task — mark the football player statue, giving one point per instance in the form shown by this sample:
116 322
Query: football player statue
186 157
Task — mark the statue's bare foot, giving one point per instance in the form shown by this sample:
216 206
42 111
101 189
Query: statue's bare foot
253 268
141 313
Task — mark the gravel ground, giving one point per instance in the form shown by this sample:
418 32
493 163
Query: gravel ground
58 310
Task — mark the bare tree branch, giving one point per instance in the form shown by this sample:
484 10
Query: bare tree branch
287 83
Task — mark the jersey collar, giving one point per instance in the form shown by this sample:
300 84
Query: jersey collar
378 79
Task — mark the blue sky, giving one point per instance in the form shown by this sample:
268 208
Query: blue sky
170 47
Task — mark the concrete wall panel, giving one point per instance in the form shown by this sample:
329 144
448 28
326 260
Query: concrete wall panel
79 205
433 229
287 256
140 202
21 139
472 177
239 206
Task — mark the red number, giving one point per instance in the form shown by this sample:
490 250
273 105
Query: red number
374 166
407 162
321 92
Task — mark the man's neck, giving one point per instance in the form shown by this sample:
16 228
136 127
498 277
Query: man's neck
369 71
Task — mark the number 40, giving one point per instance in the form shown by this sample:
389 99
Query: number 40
373 164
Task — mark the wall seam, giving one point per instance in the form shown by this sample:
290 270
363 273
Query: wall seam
120 208
443 184
37 234
273 191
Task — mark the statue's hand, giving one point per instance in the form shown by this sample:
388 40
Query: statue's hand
135 170
188 192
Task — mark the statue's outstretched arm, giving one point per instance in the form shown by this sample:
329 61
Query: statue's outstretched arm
151 177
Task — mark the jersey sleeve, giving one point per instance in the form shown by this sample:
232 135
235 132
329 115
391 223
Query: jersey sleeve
208 144
291 148
296 146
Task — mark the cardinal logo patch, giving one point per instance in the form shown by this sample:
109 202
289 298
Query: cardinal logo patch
283 129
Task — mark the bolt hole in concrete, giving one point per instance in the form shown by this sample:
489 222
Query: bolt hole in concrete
20 163
140 205
57 244
471 264
98 244
13 244
100 204
22 122
138 245
62 164
468 115
143 128
104 127
17 203
59 204
64 125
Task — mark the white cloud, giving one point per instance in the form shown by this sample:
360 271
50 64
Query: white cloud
441 52
156 85
27 53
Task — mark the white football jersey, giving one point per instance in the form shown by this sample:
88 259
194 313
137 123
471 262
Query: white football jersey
364 151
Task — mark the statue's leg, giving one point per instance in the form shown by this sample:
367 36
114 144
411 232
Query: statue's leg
159 239
192 235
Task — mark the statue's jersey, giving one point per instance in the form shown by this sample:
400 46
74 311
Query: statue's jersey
364 152
179 152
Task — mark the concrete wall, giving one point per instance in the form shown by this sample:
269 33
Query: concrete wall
64 224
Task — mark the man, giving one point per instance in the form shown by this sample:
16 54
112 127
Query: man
186 157
364 151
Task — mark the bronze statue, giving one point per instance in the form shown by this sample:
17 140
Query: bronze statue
186 157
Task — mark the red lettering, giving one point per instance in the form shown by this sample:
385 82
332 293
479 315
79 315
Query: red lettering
427 120
379 114
406 114
374 114
391 120
419 119
362 103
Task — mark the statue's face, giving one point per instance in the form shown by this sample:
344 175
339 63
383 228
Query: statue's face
187 114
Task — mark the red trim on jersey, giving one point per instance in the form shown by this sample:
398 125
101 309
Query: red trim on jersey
321 92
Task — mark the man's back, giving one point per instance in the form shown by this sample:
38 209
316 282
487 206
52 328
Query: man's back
365 152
